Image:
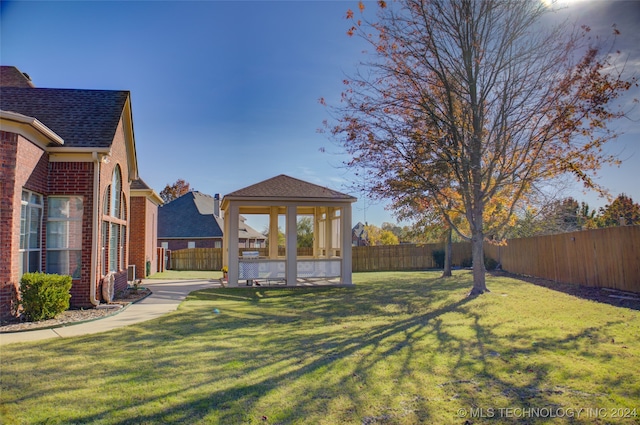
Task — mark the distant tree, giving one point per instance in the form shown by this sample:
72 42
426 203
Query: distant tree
528 223
305 232
174 191
564 216
377 236
622 211
587 217
560 216
387 237
281 236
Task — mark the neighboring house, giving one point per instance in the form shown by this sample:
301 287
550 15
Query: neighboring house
359 235
193 221
68 158
143 251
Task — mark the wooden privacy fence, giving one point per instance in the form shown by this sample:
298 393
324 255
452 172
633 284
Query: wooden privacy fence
608 258
211 258
404 257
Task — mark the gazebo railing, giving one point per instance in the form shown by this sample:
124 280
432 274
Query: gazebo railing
266 268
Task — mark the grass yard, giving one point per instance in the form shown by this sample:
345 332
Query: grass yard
398 348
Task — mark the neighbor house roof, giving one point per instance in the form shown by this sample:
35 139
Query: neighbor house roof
183 218
192 216
82 118
285 187
359 230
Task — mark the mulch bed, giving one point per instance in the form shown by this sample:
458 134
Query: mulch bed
603 295
121 300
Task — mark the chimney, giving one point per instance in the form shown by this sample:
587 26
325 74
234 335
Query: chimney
216 205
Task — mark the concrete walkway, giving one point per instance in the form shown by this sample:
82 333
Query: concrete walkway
166 296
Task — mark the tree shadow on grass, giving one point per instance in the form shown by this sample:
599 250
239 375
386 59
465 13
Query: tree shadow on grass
405 352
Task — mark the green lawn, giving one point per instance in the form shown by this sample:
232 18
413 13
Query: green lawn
398 348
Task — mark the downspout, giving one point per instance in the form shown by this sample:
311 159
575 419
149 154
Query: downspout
96 225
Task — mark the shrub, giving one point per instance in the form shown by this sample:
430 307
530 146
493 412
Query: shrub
438 258
490 264
44 296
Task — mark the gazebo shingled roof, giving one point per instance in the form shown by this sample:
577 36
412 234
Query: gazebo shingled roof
285 187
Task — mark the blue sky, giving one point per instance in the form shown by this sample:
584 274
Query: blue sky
225 94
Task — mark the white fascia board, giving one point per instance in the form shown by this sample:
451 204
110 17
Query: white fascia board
29 128
149 194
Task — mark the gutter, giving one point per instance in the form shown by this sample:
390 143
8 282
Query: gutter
96 225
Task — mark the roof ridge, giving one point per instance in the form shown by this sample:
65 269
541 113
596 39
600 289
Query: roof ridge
284 186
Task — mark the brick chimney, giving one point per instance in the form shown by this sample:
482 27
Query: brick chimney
10 76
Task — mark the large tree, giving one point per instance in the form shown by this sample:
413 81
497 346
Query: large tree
471 99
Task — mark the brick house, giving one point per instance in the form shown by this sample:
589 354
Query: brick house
143 233
68 159
193 221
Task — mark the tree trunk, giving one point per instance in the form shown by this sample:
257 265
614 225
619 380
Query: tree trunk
447 254
477 251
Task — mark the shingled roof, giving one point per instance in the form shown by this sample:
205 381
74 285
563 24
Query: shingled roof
285 187
82 118
192 216
139 184
188 217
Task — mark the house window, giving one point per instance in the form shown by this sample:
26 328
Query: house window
64 235
217 244
30 232
114 226
165 245
191 244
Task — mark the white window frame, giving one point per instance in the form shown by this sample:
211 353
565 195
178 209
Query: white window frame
26 234
72 223
114 226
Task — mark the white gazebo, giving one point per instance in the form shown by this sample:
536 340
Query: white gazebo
282 196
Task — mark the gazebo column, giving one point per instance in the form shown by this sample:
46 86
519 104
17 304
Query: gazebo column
328 229
345 249
232 236
225 238
292 248
317 215
273 233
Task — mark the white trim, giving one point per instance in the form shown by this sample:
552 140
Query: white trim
150 194
29 128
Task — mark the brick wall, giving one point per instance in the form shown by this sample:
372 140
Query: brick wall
137 241
8 152
23 165
152 236
76 179
118 158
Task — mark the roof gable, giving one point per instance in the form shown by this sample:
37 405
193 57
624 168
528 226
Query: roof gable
285 187
191 216
182 218
83 118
